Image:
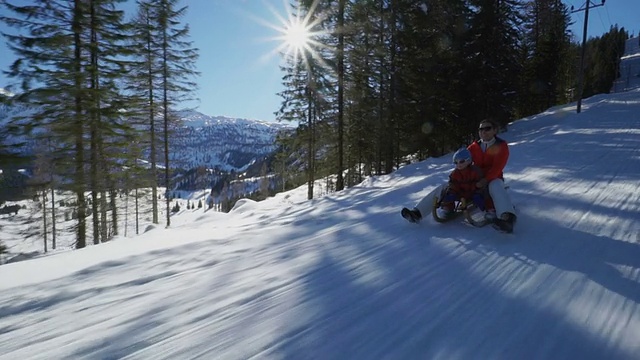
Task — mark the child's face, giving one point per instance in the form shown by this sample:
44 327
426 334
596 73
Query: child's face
460 164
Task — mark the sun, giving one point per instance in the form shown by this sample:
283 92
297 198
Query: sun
296 36
299 34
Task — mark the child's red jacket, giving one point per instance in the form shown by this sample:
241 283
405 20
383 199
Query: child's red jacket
463 182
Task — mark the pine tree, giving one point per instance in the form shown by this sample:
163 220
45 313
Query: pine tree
10 158
296 106
144 81
108 132
72 77
341 29
361 48
493 59
264 182
603 61
174 66
51 70
430 60
43 181
310 86
545 55
3 250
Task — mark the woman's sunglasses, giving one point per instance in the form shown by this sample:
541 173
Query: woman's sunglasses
459 161
485 128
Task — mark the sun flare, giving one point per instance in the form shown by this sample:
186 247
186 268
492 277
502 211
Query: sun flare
296 36
299 34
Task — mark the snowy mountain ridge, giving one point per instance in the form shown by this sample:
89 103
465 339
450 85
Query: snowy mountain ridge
220 142
223 142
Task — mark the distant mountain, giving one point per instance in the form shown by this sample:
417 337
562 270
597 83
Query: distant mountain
222 142
216 142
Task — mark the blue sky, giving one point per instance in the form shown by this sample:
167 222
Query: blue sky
240 76
625 13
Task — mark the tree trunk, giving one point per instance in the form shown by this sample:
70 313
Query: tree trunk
44 217
53 218
340 180
79 178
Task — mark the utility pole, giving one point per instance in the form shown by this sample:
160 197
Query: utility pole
586 7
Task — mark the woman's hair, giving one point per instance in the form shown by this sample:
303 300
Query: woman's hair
490 121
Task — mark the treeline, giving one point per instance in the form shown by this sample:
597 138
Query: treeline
382 79
102 90
602 56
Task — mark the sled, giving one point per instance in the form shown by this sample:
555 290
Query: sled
471 213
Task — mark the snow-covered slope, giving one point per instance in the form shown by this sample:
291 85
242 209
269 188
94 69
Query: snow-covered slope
223 142
345 277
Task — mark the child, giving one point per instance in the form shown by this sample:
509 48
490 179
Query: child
462 184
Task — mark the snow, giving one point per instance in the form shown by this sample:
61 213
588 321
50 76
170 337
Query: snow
5 92
343 276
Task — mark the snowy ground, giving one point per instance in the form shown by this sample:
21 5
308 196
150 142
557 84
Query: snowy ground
345 277
22 233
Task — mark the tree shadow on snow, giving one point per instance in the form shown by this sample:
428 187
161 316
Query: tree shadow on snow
395 295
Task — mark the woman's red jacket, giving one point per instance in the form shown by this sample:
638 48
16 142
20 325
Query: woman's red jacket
493 160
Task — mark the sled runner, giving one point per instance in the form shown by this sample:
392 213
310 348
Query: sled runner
472 214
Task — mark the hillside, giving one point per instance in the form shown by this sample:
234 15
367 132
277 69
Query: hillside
223 142
345 277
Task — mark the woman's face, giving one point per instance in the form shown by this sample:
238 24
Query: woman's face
487 131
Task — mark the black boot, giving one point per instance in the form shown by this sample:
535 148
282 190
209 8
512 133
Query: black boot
505 222
412 216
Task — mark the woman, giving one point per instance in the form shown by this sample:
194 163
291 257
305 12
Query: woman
491 153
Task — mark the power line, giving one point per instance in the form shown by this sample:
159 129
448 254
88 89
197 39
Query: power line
587 5
604 28
608 17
